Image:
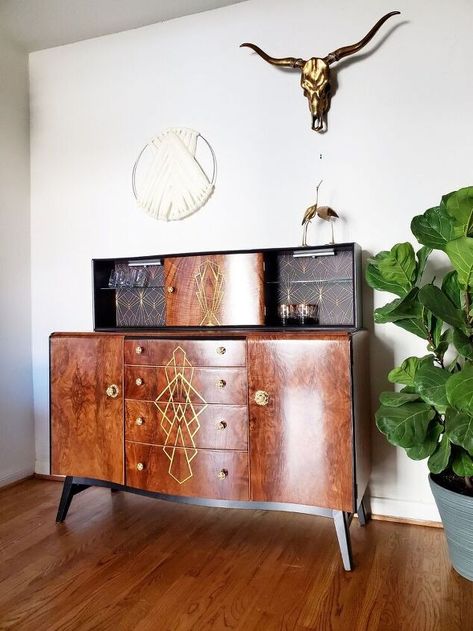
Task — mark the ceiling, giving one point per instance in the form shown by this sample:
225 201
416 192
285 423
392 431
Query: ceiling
38 24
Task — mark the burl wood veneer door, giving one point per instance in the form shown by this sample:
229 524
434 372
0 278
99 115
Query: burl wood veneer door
222 289
301 436
87 407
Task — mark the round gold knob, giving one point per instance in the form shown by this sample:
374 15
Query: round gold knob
221 383
222 474
139 381
140 466
221 425
112 391
261 397
139 421
171 290
138 350
221 350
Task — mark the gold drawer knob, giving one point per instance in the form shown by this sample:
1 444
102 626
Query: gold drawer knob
139 381
222 474
221 383
139 421
221 350
221 425
112 391
261 397
140 466
171 290
138 350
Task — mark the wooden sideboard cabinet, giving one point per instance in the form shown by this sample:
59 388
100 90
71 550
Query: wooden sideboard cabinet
219 412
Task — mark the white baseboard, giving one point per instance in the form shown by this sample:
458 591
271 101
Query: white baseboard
8 477
404 509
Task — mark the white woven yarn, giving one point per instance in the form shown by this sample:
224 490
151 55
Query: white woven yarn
174 185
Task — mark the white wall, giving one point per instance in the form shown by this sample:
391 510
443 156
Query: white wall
400 135
16 390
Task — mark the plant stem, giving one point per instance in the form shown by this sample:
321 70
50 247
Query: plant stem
467 307
468 483
438 357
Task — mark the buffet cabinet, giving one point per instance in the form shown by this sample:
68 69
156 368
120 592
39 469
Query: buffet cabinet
223 415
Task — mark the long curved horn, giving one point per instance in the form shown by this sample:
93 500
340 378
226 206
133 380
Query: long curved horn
338 54
286 62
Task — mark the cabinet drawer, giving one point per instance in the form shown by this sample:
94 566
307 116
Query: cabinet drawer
206 426
154 352
189 472
186 384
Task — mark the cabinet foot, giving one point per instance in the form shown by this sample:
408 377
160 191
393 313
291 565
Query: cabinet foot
69 489
363 514
343 535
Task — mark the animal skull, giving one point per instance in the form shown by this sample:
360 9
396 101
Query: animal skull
315 73
315 81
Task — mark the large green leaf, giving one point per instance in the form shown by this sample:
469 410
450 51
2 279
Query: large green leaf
459 206
427 448
463 464
405 425
422 255
463 344
460 253
400 308
376 280
435 228
459 428
399 266
430 384
406 372
451 288
406 312
435 328
439 460
413 325
392 311
436 301
459 389
395 399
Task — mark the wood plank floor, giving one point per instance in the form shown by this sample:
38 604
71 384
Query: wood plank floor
122 561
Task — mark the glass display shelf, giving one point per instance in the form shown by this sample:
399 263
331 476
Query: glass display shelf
131 287
311 280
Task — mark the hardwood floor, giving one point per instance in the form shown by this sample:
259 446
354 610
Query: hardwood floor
122 561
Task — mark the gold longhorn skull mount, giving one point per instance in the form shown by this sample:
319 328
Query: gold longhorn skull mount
315 73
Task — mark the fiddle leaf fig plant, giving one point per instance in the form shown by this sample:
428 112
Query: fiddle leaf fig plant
431 414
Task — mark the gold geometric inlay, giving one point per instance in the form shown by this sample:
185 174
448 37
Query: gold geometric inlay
209 281
179 416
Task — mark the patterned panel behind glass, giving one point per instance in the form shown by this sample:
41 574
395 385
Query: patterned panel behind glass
326 281
142 306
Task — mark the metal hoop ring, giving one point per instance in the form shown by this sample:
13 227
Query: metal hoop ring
135 166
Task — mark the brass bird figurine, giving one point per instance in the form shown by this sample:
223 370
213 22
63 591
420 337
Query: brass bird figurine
324 212
328 214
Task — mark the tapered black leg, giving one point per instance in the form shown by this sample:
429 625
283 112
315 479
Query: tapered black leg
68 491
343 535
364 511
362 518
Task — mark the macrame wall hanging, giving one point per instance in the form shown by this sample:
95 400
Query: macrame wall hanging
169 183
